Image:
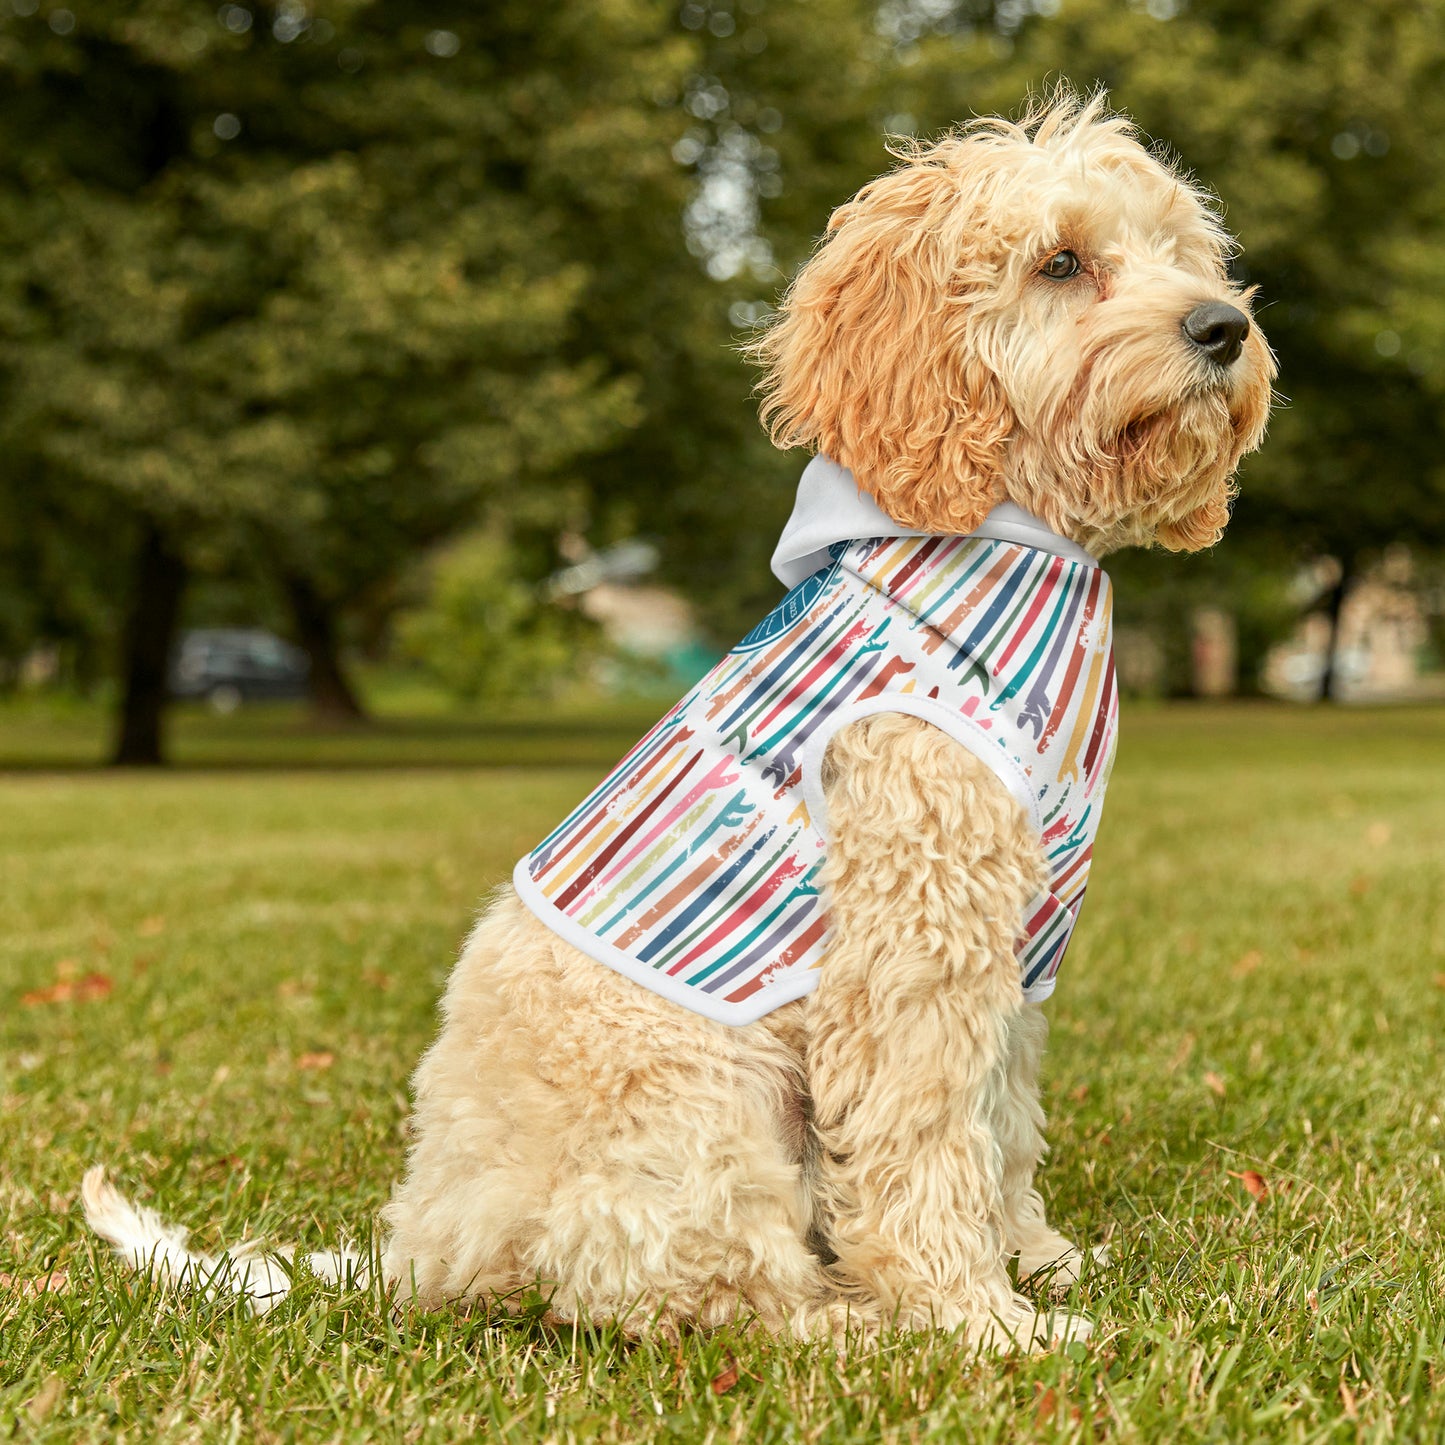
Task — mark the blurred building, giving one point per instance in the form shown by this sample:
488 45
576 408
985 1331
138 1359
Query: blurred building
1382 646
653 631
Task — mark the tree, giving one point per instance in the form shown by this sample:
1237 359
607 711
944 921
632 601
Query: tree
304 281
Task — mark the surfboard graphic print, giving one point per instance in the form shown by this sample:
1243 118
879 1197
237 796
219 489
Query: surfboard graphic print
693 867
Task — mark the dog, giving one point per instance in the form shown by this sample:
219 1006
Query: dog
686 1078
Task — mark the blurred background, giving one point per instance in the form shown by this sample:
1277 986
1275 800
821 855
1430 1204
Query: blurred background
365 361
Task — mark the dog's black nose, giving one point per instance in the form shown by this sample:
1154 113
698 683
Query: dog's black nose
1217 330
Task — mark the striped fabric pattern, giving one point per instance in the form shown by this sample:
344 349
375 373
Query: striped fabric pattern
693 867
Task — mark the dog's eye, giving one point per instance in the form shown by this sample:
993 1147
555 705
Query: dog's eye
1061 266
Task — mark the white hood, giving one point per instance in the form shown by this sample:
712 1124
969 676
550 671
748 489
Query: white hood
829 508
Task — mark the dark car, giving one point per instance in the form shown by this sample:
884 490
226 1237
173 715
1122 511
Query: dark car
230 665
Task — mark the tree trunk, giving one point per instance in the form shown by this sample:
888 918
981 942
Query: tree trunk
150 630
1329 676
333 699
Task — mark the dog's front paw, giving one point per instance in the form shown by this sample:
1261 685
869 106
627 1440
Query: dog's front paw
1023 1326
1057 1265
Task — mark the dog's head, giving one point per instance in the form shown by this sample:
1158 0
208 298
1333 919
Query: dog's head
1037 312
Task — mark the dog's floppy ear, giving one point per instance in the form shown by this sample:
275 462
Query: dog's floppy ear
871 361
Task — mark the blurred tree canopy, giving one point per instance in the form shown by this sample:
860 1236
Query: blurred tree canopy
304 289
310 287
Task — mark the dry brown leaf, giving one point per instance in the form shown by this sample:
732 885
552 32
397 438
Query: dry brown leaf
56 1282
1214 1083
55 993
1046 1407
321 1059
1255 1184
1247 965
151 927
81 990
46 1398
723 1382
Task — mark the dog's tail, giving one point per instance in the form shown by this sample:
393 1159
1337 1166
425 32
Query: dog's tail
147 1243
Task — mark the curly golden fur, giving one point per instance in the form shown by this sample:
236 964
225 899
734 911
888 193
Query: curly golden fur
922 348
865 1156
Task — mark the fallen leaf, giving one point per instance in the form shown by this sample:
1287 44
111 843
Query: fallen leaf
321 1059
1440 980
724 1382
82 990
1360 885
1254 1182
151 927
46 1398
56 993
1046 1408
1214 1083
1247 965
56 1282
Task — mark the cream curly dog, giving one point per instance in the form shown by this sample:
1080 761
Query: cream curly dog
1035 314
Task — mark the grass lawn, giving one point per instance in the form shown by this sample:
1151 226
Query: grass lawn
217 980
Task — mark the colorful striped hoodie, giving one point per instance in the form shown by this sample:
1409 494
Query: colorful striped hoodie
693 867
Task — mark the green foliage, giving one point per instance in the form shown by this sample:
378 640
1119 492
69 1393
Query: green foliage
1265 911
484 633
315 290
322 284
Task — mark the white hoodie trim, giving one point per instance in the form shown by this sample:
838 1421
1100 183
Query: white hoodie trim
830 508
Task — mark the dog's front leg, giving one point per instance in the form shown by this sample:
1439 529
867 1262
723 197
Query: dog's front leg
930 864
1042 1251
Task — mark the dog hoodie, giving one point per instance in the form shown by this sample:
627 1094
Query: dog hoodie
693 867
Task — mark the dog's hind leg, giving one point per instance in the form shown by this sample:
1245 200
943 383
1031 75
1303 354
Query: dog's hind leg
930 864
578 1135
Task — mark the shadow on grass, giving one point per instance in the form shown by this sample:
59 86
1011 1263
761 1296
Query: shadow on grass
278 737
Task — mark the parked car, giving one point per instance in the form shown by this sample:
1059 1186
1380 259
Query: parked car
227 666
